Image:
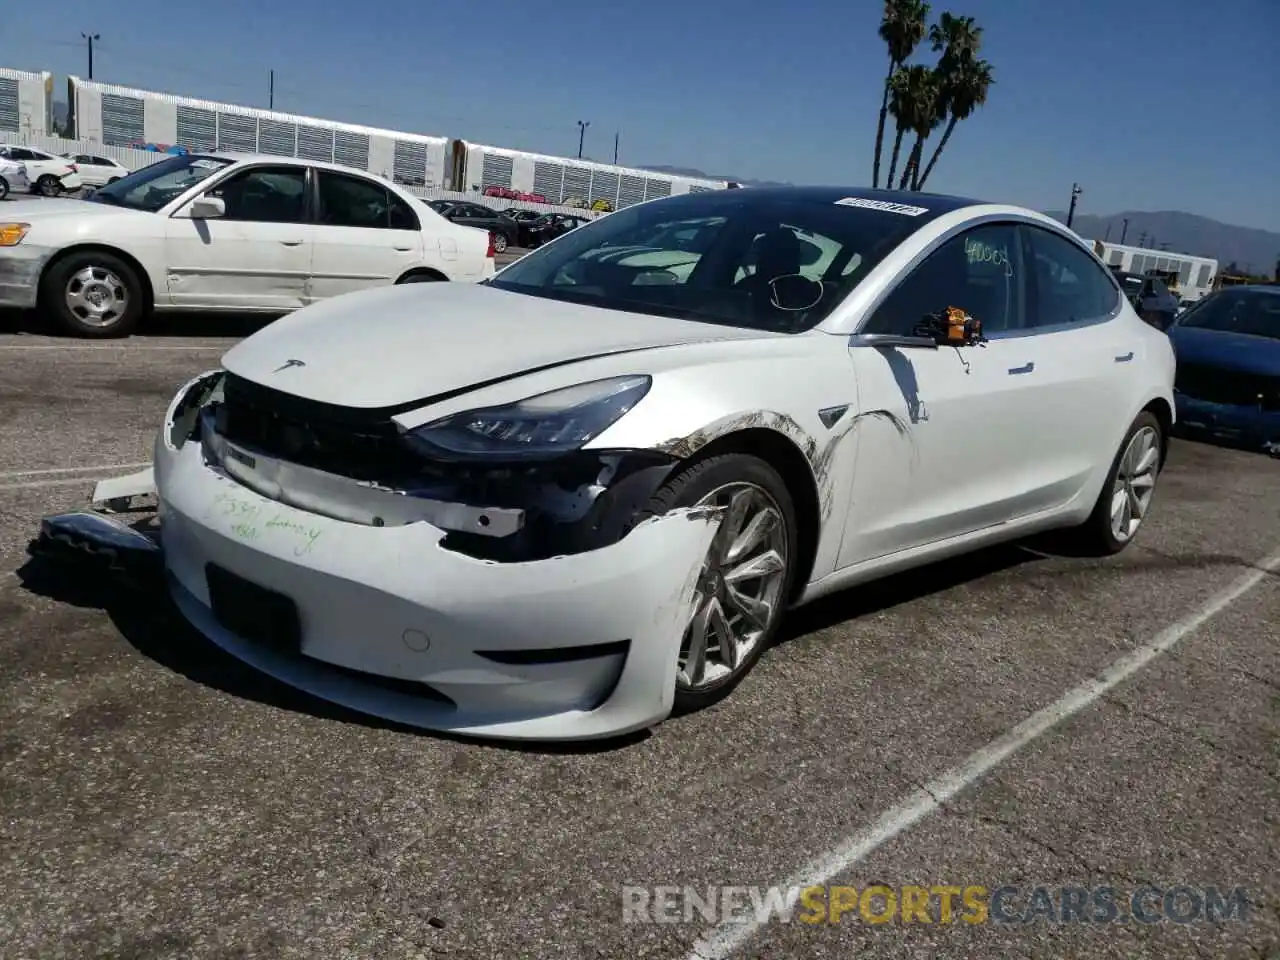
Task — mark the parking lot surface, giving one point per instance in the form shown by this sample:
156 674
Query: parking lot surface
159 800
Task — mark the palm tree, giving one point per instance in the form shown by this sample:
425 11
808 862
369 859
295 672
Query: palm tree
922 115
900 108
966 90
902 28
912 105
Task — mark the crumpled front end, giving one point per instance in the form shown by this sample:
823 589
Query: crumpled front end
20 269
498 602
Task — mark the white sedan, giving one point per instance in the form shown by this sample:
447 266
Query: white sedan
562 503
96 170
13 178
48 174
224 231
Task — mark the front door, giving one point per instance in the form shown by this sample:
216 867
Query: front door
255 257
366 236
943 433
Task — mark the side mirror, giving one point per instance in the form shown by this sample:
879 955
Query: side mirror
207 208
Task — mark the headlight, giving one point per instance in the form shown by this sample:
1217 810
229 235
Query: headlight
542 426
11 234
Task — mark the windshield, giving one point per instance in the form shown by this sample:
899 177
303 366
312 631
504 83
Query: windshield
748 261
153 186
1252 312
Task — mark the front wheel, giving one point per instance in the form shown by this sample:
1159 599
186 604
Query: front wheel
746 578
4 189
93 294
1126 496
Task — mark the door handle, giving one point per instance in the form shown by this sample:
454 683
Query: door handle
404 249
1025 368
1125 357
292 243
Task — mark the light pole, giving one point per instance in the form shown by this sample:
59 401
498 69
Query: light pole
1124 231
1075 195
91 37
582 135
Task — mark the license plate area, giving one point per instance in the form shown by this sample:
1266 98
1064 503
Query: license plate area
252 611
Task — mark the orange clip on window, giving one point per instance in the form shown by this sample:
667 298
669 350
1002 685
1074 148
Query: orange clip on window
957 322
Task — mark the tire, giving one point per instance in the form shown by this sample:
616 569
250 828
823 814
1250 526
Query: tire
49 185
719 476
93 272
4 189
421 278
1097 536
113 180
500 243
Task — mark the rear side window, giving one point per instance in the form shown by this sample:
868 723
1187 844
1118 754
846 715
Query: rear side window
347 201
1066 285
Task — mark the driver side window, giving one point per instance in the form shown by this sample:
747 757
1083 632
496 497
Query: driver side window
978 271
265 195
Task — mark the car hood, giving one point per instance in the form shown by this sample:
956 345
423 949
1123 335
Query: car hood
395 346
1235 351
36 212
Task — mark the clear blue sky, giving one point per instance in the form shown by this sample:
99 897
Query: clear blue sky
1170 106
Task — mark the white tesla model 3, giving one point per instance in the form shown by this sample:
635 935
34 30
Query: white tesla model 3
569 500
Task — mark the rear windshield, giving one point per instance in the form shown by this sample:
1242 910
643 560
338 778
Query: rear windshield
758 262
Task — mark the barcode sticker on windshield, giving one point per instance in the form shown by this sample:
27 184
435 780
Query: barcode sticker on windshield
885 205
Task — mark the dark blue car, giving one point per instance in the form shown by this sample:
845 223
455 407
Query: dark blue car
1228 379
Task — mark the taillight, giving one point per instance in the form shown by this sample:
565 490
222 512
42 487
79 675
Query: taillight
74 168
491 252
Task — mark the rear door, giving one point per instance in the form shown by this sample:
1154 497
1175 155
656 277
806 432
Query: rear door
1084 356
366 236
257 256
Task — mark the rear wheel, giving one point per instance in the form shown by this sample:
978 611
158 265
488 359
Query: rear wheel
1126 496
500 243
4 189
93 294
421 278
49 185
746 577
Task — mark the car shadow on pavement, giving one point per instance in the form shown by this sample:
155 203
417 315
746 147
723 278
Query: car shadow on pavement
146 618
896 589
194 325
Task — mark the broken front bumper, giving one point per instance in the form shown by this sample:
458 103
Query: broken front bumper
1245 425
20 269
391 623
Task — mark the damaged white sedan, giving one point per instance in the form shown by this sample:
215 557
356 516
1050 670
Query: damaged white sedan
567 501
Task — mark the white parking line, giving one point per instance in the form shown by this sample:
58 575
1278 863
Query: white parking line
95 468
725 939
34 484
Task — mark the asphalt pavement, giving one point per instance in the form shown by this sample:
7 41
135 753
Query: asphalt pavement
159 800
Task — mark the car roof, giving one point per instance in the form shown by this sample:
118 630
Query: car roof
233 156
935 205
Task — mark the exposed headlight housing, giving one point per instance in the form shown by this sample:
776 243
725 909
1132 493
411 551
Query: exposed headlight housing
539 427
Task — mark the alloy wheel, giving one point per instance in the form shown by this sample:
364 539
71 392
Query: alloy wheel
1135 483
739 591
96 296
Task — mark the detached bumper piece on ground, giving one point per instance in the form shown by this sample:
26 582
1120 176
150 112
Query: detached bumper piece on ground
101 545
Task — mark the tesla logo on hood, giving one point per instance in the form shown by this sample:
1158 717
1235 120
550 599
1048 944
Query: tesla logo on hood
287 364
